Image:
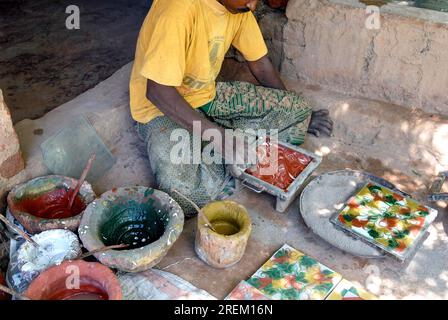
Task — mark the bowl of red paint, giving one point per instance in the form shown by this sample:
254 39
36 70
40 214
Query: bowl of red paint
75 280
3 295
43 203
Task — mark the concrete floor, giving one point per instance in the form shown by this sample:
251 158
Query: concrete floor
424 277
42 64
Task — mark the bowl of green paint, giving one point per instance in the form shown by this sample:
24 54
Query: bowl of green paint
147 220
42 203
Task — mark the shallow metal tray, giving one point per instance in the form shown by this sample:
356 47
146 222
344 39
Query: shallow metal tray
412 250
435 193
284 198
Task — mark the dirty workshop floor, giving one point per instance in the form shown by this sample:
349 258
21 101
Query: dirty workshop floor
42 64
365 148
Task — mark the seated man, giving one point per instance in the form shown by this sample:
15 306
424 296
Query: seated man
179 54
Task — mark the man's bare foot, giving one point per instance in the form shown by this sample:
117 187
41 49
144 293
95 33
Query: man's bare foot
321 123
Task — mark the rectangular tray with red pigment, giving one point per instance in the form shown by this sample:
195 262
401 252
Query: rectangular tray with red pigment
285 191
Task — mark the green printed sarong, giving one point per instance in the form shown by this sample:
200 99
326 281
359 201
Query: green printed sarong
237 105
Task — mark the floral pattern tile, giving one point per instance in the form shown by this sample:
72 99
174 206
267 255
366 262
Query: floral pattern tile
244 291
386 219
292 275
346 290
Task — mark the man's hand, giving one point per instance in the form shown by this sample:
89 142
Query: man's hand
321 123
236 148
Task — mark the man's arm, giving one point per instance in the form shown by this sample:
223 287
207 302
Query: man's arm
267 76
168 100
264 72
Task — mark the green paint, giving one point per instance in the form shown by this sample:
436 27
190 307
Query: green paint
136 224
149 192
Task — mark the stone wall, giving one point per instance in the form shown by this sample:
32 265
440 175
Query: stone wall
272 26
272 23
404 62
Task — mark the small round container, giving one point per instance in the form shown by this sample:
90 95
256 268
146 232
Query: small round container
42 203
226 246
75 280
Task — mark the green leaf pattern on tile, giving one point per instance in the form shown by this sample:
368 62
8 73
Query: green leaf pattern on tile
291 275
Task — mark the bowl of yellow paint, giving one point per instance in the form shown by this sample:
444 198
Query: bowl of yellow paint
223 244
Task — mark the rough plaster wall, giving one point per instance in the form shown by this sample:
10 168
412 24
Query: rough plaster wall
404 62
11 161
272 25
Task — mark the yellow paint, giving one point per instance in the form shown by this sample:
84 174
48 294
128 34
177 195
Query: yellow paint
226 246
227 218
224 227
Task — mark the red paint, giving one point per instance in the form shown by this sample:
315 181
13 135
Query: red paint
52 205
290 164
358 223
276 4
353 204
97 282
3 295
85 292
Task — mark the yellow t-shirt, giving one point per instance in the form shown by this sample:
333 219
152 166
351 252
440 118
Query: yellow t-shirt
182 43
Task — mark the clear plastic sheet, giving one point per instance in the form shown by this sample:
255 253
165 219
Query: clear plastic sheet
67 152
159 285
